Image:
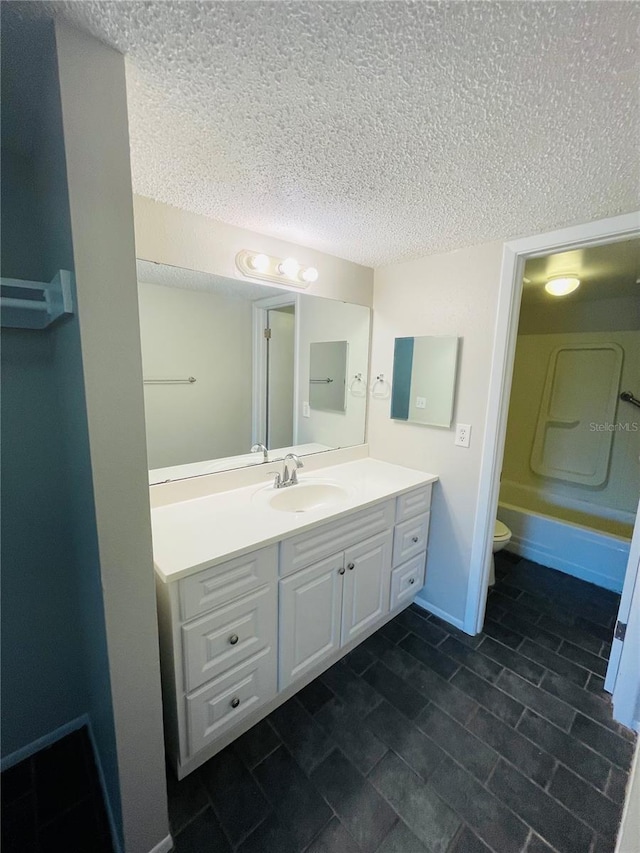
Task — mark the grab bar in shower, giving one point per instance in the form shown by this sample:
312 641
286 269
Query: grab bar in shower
628 397
320 381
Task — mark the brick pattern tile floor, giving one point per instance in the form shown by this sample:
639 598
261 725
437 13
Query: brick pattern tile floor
426 740
52 802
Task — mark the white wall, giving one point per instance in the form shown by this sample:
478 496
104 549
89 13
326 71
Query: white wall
324 320
95 125
208 336
167 235
582 315
449 294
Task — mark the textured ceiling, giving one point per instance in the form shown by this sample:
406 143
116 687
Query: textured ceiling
378 131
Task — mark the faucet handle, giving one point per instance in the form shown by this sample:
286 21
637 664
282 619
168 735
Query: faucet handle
277 482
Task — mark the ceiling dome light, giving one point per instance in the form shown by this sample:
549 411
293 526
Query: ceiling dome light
561 285
289 267
260 263
310 274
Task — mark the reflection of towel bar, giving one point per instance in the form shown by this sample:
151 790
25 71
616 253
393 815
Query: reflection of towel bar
189 381
628 397
320 381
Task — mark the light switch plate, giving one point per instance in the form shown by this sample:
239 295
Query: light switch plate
306 410
463 435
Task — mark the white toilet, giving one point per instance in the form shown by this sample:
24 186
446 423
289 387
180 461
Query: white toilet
501 537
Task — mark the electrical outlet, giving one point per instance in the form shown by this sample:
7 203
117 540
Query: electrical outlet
306 410
463 435
421 402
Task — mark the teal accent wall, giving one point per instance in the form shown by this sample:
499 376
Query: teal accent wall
55 663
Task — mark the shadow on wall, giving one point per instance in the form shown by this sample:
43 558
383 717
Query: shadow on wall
53 633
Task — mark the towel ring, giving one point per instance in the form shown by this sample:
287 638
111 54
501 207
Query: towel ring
357 386
380 388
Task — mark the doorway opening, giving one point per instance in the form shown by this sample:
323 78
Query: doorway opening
274 371
549 450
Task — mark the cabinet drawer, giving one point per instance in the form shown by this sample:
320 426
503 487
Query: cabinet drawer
222 583
222 703
406 580
228 636
410 538
413 503
307 548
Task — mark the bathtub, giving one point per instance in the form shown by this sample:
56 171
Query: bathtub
583 540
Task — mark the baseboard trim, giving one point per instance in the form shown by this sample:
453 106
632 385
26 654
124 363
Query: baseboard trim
431 608
56 735
545 557
163 846
115 835
43 742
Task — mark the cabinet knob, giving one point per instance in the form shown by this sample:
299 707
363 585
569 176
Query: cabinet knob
412 580
233 639
414 538
351 566
341 571
235 702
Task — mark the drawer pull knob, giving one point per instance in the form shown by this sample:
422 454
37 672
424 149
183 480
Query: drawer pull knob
235 702
341 571
233 639
414 538
351 566
412 580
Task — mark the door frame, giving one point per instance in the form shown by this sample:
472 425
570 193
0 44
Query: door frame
260 313
515 255
623 675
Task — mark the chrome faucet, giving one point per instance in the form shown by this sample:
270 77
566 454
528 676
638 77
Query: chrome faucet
257 448
289 477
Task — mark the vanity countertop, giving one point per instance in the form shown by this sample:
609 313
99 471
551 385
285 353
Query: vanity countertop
192 535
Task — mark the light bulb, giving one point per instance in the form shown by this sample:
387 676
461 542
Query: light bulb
289 267
562 285
310 274
260 263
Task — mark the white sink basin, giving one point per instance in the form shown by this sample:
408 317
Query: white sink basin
305 496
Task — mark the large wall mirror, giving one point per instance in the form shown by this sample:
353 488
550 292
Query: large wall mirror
228 364
424 380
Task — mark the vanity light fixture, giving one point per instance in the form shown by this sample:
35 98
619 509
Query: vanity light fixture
562 285
289 267
260 263
279 270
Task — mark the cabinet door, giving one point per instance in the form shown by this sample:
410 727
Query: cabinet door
366 584
310 606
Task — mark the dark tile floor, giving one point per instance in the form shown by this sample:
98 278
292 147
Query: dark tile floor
52 802
426 739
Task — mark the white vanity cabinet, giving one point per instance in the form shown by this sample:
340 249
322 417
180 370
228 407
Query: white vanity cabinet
330 603
218 642
240 637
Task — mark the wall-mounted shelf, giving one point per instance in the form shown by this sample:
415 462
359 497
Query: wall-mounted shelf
35 304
